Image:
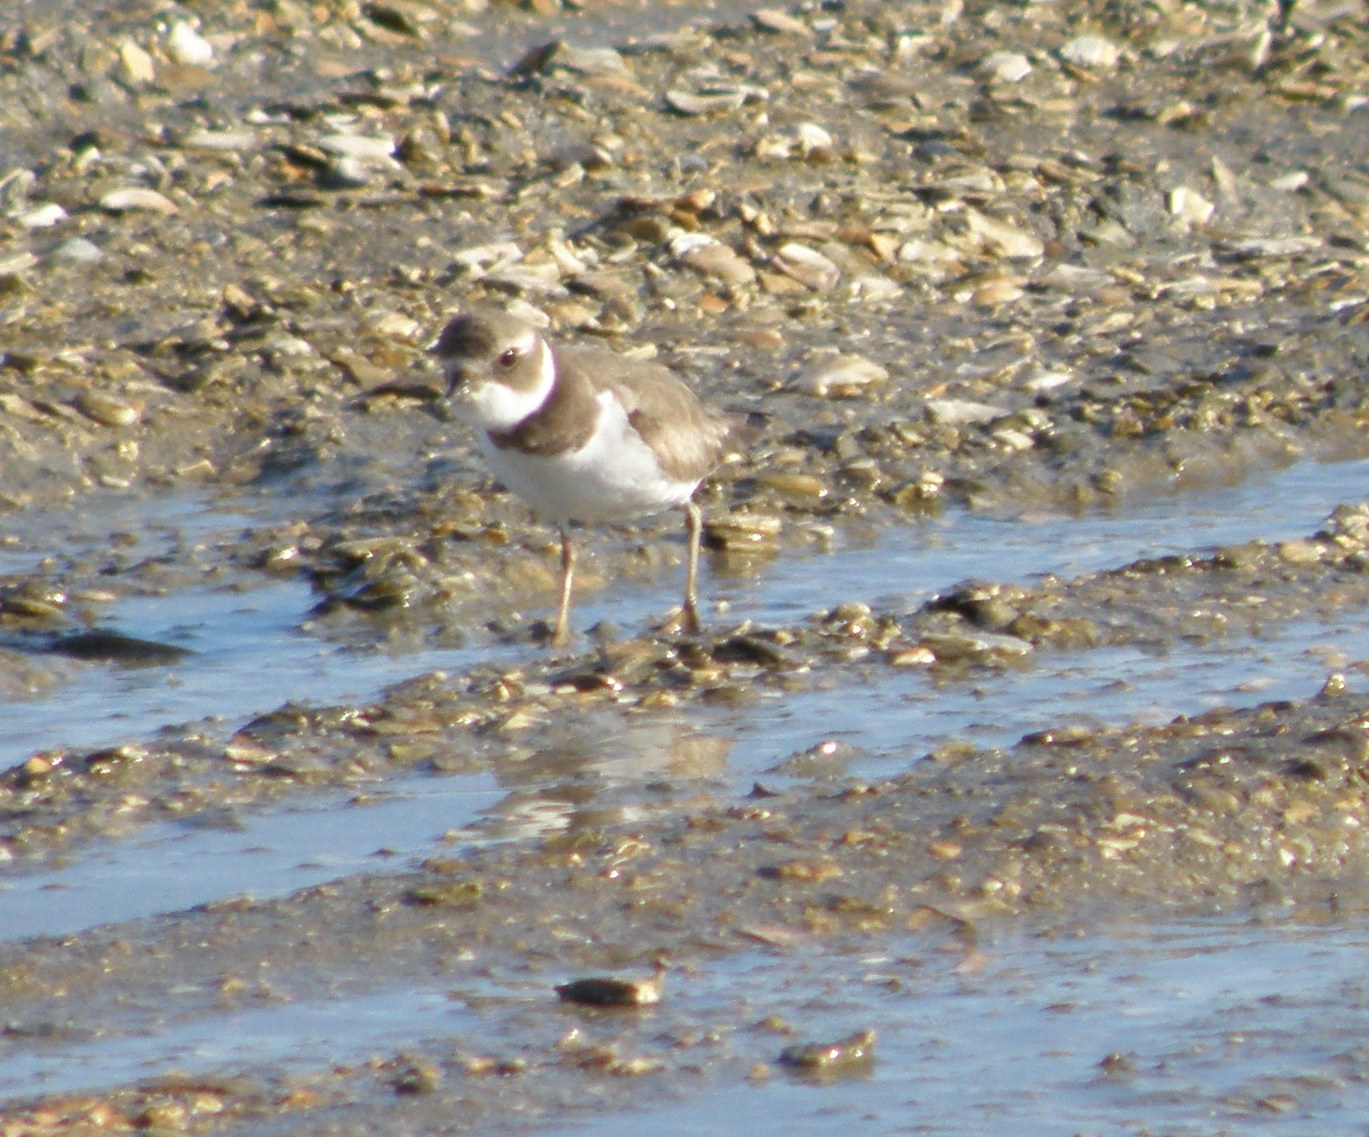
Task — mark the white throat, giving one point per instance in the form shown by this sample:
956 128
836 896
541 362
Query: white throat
495 406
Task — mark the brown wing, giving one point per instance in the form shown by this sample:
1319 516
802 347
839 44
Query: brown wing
687 436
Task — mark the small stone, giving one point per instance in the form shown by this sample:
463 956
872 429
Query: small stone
998 290
1041 379
1005 239
187 47
1291 183
961 412
813 141
831 1058
793 487
12 264
42 216
346 173
807 266
706 92
137 64
589 60
1094 52
690 103
364 148
712 258
743 532
604 991
107 410
804 871
228 139
418 1078
945 849
136 199
841 377
1301 552
1189 206
15 187
78 250
1006 67
778 20
917 656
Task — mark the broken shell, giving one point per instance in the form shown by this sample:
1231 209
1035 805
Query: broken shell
1006 67
808 266
709 93
712 258
1189 206
134 199
1097 53
187 47
107 410
841 377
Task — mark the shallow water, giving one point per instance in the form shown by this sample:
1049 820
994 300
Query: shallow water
1183 1030
250 655
1206 1014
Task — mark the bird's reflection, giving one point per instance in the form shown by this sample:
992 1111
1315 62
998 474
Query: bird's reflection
591 772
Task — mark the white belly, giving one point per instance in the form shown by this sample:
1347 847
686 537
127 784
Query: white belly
614 477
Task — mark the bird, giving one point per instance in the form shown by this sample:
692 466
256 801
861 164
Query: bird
582 434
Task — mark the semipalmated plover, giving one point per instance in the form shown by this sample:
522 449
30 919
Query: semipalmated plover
581 433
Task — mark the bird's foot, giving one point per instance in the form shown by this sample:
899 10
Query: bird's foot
682 622
549 635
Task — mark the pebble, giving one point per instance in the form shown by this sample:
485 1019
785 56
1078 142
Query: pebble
713 258
589 60
607 991
137 64
15 188
807 140
797 489
747 533
1189 206
187 47
704 91
1006 67
842 1056
778 20
1095 52
806 265
346 173
1040 379
361 147
961 412
42 216
225 139
1003 238
78 250
841 377
977 646
106 409
1301 552
478 258
136 199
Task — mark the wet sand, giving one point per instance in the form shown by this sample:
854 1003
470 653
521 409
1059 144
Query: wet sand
993 276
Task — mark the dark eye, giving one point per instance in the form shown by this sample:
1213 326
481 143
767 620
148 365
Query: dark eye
508 357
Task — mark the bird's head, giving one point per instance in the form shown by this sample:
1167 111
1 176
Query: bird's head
499 369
